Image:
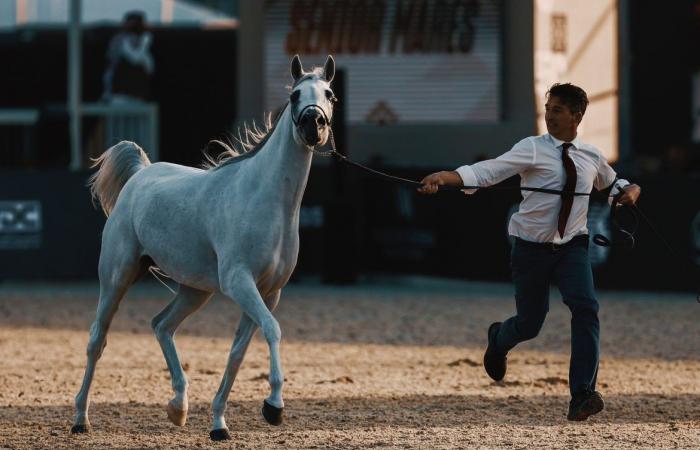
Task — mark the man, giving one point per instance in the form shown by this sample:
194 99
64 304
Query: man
129 62
551 238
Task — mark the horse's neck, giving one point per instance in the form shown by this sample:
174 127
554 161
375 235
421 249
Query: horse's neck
284 164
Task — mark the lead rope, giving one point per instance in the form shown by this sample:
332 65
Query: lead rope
343 158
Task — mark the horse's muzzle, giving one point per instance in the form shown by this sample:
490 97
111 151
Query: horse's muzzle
311 125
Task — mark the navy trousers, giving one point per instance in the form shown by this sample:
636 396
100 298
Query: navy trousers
534 266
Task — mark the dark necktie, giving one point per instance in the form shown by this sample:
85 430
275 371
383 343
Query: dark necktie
567 200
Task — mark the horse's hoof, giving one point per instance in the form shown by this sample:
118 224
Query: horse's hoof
272 414
219 435
176 416
80 428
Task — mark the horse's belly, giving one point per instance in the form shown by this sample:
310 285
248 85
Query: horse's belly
187 260
188 269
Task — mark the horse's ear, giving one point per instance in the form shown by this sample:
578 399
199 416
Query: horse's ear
297 70
329 68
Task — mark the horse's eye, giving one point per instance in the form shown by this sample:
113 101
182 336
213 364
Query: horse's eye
295 96
331 97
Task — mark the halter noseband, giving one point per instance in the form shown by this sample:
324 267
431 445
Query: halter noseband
303 110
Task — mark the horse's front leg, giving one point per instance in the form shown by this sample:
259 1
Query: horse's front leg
242 290
244 334
246 329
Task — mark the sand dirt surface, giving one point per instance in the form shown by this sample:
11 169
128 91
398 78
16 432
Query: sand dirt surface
387 363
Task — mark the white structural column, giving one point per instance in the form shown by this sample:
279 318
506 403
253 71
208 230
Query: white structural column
251 51
74 82
167 8
21 12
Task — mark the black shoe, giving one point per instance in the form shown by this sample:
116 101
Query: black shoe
585 404
494 361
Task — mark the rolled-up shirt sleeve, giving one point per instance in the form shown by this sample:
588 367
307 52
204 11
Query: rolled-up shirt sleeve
607 177
486 173
468 178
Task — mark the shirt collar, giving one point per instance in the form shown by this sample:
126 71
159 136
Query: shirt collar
558 143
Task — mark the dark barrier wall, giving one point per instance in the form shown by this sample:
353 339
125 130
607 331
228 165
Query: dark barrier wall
50 230
450 234
672 205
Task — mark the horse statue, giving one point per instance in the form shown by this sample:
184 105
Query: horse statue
231 227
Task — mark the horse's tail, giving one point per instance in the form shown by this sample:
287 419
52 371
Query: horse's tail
116 165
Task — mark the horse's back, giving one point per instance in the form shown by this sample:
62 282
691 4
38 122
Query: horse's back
165 174
154 187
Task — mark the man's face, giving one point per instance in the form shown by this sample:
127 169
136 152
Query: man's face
559 117
134 25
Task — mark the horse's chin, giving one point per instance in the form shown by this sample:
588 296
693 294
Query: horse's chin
301 139
320 143
325 134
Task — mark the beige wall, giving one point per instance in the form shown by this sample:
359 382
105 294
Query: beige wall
585 52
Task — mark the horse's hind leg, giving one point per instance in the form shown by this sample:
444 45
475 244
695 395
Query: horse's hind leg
164 324
118 269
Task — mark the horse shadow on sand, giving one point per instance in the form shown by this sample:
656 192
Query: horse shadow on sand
358 413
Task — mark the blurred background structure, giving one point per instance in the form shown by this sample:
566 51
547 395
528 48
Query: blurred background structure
423 85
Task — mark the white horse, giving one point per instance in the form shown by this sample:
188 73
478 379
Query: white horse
233 228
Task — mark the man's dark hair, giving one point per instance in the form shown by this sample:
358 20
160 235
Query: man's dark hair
571 95
135 21
135 15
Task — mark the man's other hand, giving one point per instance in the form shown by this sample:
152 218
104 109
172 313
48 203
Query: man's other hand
631 194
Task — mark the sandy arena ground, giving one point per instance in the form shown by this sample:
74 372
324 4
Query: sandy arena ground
391 363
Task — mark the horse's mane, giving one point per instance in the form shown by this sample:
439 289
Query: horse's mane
252 139
249 141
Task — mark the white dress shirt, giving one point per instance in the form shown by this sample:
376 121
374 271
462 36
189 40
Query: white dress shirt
538 161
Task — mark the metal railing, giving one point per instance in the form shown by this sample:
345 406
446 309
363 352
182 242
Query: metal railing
135 121
17 135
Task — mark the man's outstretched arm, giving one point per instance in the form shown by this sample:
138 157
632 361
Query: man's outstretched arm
484 173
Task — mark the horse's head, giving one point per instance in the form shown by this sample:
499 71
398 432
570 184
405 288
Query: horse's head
311 102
